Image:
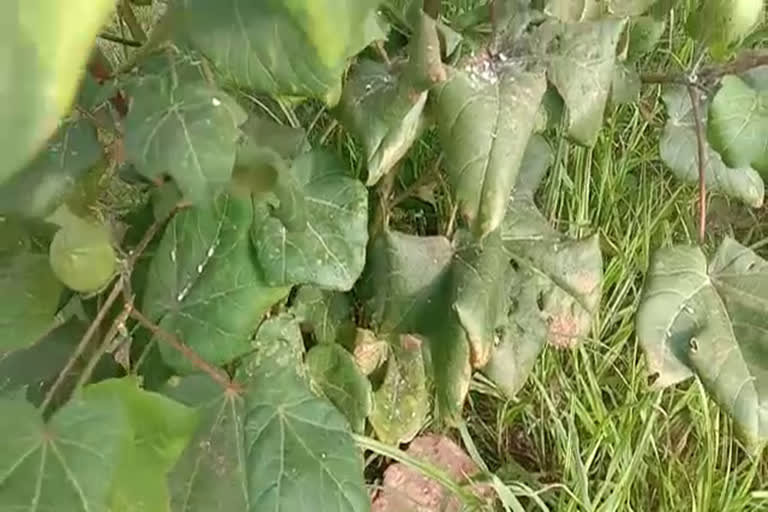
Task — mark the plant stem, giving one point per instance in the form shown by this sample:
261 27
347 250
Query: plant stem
129 17
702 162
119 40
709 74
116 290
198 362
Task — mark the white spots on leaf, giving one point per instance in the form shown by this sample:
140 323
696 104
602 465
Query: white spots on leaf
183 293
200 268
215 101
173 255
211 250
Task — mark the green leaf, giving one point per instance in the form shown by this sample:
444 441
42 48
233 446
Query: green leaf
204 284
402 274
573 10
644 33
723 23
567 274
479 285
328 314
582 69
625 85
710 321
30 290
679 151
51 177
30 368
486 113
330 250
67 464
298 48
161 430
82 256
537 159
738 122
46 44
334 371
180 125
278 447
384 111
278 343
401 403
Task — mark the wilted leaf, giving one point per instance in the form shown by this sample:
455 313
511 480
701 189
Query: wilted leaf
204 284
330 251
567 274
327 313
52 175
284 49
486 113
161 429
710 321
480 273
45 46
738 123
679 150
30 290
81 255
581 67
406 489
68 463
278 447
401 403
334 371
384 112
184 127
369 351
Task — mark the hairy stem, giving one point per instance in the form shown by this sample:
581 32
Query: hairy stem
701 161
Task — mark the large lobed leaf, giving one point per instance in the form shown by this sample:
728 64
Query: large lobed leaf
384 111
183 126
486 113
46 44
68 463
204 284
293 48
679 150
738 122
275 447
581 67
329 250
710 321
